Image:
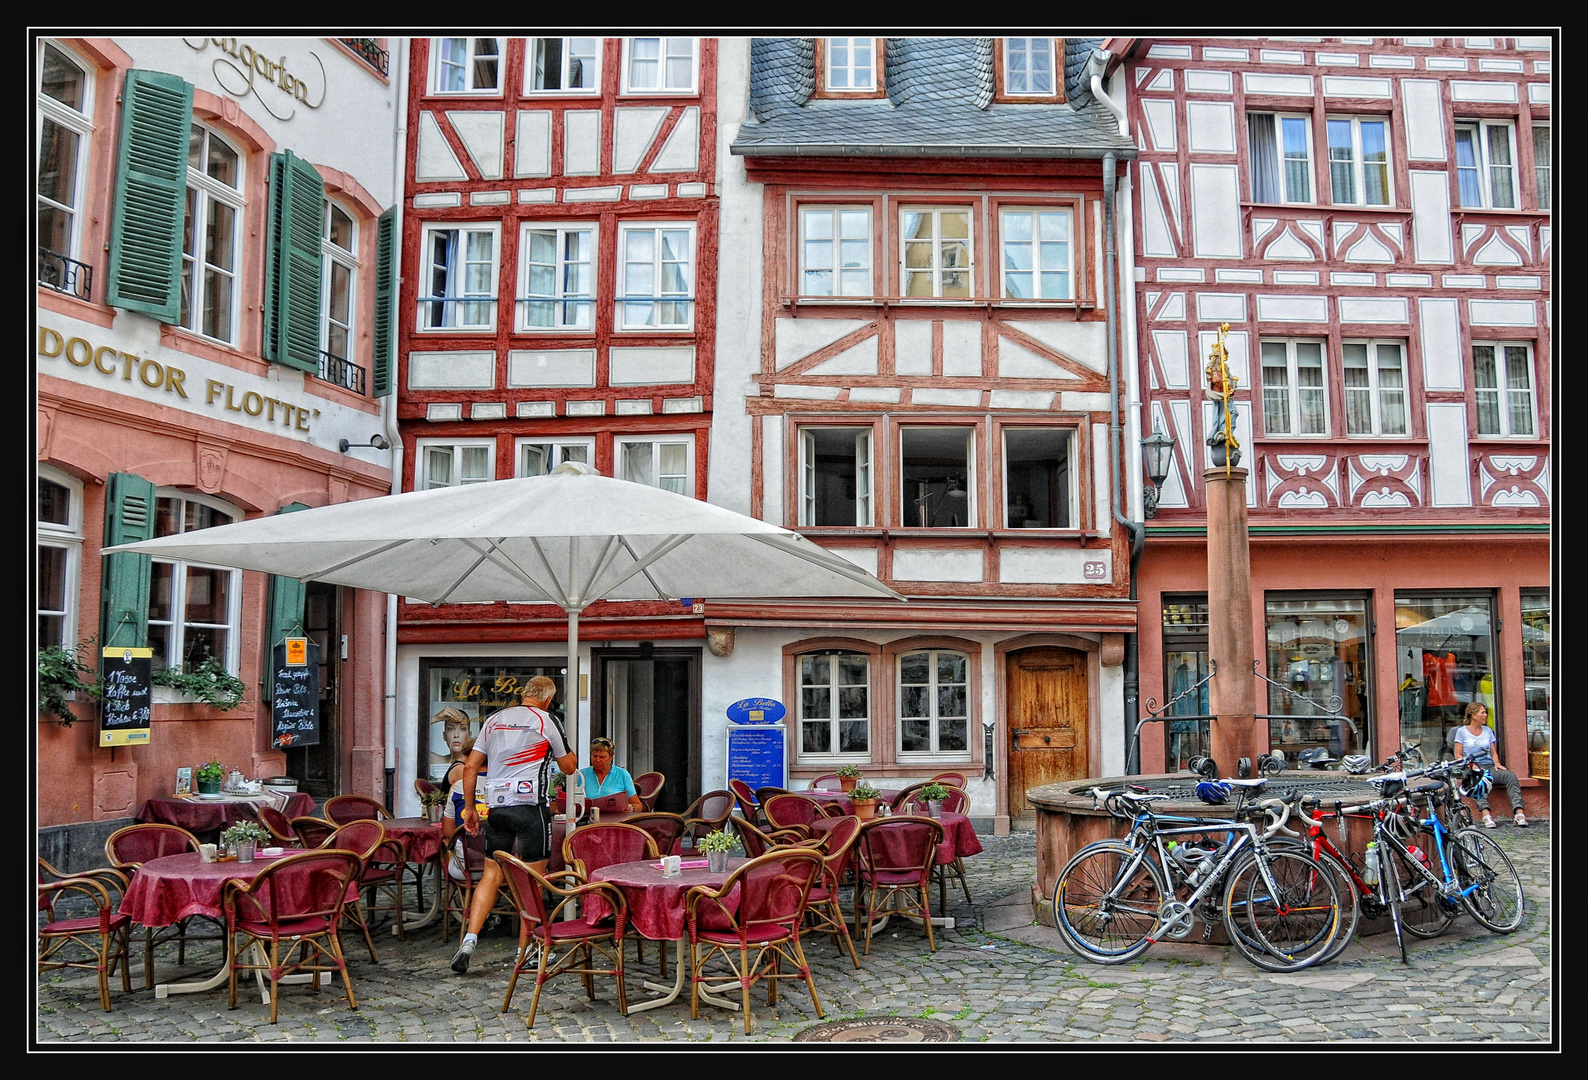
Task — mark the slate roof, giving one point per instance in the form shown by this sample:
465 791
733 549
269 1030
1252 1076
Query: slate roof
939 103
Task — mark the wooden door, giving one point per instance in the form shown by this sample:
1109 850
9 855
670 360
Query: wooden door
1047 717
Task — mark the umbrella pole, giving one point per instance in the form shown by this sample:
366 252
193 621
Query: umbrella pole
577 735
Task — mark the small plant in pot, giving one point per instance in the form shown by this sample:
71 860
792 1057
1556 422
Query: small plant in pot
433 802
848 776
208 777
717 845
933 795
865 798
244 838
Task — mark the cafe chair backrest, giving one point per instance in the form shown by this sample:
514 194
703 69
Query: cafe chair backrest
783 811
770 896
647 786
757 841
276 823
312 831
137 844
346 808
899 843
309 885
593 847
952 779
664 829
827 781
745 797
363 838
713 808
762 794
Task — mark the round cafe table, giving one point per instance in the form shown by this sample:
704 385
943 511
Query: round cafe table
206 817
424 844
656 911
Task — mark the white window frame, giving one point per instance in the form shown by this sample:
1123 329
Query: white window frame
909 501
1036 247
65 536
935 718
833 686
1504 398
849 68
656 442
424 449
1542 172
1283 181
1377 395
835 213
1072 492
437 67
664 52
864 476
78 123
203 194
1293 390
559 298
1483 168
455 305
656 299
938 269
531 45
1357 161
178 623
336 257
1055 68
557 448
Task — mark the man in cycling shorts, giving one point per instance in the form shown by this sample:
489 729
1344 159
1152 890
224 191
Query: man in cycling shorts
520 743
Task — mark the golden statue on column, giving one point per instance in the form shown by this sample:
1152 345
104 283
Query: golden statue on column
1222 382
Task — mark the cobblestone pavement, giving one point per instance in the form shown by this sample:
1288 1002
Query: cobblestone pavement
997 977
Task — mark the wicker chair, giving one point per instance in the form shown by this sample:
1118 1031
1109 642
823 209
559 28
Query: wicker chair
647 786
757 842
363 838
837 848
457 897
894 864
707 814
279 826
125 850
102 935
749 808
312 831
952 779
792 810
827 781
346 808
592 847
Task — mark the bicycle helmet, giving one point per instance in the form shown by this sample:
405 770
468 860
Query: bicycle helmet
1317 758
1213 792
1402 823
1476 787
1356 763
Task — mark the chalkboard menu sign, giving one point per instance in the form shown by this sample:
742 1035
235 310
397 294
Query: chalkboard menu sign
295 697
758 754
124 715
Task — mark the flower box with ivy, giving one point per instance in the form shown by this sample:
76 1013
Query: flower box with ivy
65 679
207 681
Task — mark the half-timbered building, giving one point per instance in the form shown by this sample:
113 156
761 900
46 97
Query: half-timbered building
1371 217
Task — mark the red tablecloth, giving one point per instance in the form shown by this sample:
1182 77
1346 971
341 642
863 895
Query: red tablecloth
656 903
164 891
205 818
423 838
559 831
842 797
959 839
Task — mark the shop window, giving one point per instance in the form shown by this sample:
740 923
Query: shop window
1039 490
59 537
193 609
1318 652
461 696
936 469
1444 660
567 65
835 477
65 107
934 703
834 704
1185 665
1536 627
451 464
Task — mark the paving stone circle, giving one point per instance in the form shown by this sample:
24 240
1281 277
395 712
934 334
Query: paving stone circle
880 1029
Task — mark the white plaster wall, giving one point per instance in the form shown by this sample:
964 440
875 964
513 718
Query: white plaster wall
532 143
1215 211
1431 238
1084 342
1450 481
581 149
550 367
1052 566
754 669
937 564
1441 333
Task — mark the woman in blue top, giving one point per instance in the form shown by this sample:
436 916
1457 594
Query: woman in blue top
602 778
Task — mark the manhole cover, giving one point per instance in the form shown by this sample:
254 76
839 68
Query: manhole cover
880 1029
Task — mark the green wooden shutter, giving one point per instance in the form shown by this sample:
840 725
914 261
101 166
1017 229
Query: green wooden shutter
292 271
286 612
129 517
385 300
150 195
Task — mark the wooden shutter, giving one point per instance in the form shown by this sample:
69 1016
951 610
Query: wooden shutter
150 195
129 517
292 272
286 612
385 300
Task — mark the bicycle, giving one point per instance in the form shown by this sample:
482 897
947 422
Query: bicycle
1113 900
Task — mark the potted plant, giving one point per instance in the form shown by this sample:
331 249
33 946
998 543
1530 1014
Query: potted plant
208 777
244 837
433 802
716 845
933 795
848 776
865 797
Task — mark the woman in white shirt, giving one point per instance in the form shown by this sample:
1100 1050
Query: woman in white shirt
1476 740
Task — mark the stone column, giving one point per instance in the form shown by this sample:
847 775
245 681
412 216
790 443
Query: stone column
1234 731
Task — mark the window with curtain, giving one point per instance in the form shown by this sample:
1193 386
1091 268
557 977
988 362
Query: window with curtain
667 463
1295 398
657 272
567 64
458 287
540 457
834 704
1280 148
193 609
450 464
1541 164
1375 387
1486 164
464 65
660 65
835 251
556 277
1359 172
1502 386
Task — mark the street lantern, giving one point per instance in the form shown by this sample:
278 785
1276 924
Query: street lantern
1157 453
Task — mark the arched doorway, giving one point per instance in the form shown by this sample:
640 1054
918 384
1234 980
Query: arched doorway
1047 718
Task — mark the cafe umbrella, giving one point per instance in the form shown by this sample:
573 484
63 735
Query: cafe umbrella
570 538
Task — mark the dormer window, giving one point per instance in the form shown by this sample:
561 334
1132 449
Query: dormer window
1030 67
851 64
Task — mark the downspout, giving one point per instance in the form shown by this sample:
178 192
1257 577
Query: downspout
1136 530
389 408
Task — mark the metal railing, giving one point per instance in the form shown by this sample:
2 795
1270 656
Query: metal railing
344 373
65 275
369 52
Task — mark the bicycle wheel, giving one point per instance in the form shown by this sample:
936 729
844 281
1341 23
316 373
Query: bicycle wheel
1389 878
1103 908
1288 927
1425 910
1497 902
1350 910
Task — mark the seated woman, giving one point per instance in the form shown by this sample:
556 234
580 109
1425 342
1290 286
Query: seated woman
603 779
452 819
1476 740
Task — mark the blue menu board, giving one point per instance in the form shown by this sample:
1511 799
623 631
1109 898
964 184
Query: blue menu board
758 754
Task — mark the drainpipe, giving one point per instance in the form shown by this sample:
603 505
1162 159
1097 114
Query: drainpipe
389 413
1136 530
